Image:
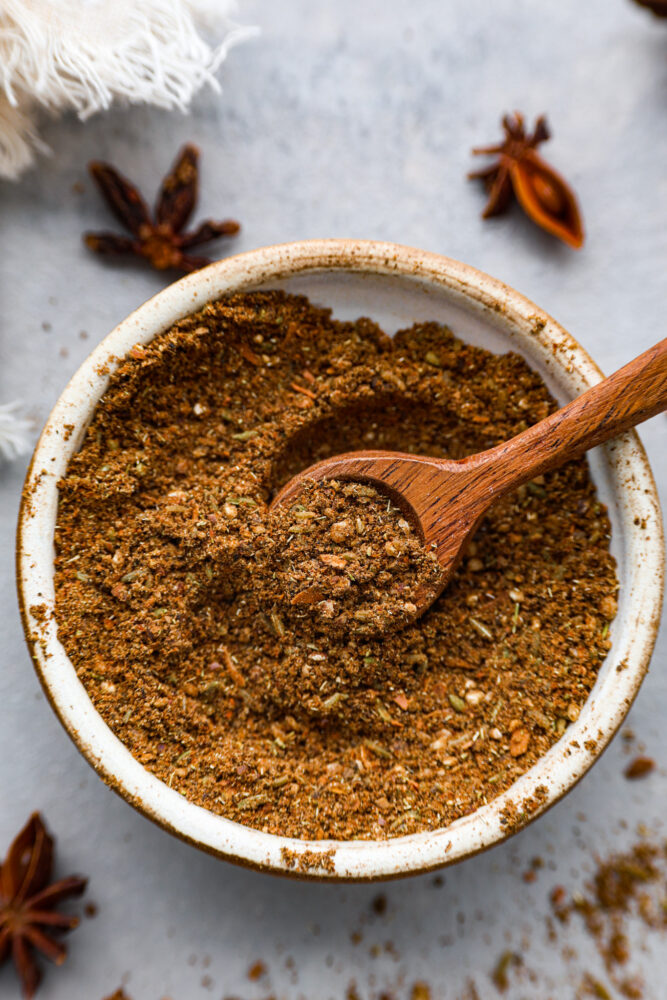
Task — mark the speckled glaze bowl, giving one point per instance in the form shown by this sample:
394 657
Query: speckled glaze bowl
396 286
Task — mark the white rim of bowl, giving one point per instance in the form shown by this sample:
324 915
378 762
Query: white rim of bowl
540 787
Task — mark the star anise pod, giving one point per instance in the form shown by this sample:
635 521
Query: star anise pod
541 192
659 7
28 915
160 239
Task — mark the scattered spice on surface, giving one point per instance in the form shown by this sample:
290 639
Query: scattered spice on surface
626 893
627 890
530 875
542 193
120 994
28 904
161 238
500 974
420 991
182 622
640 767
592 987
628 884
256 971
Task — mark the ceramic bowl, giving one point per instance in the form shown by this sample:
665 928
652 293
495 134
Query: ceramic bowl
396 286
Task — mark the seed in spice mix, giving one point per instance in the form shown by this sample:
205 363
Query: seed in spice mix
228 654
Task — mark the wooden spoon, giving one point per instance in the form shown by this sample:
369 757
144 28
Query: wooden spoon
446 500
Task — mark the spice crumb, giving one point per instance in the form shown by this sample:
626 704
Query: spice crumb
256 971
640 767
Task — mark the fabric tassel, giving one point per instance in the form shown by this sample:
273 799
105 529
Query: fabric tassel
85 55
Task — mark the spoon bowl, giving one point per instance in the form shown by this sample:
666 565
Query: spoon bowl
426 490
446 500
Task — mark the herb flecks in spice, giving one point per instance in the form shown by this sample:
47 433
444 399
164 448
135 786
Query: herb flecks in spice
28 904
542 193
161 238
260 707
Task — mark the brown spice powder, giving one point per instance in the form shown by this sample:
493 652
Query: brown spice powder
282 714
343 555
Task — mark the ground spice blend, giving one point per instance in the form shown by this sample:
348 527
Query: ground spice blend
266 665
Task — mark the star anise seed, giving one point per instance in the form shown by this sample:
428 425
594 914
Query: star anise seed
160 239
28 915
541 192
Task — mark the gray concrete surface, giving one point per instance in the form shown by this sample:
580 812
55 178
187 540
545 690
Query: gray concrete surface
345 119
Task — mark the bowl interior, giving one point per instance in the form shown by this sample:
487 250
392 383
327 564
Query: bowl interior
395 291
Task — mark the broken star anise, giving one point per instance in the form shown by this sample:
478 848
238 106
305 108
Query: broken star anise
28 915
541 192
659 7
160 239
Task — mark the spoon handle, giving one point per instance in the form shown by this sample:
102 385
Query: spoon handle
633 394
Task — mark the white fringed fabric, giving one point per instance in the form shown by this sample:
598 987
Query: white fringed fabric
85 55
14 432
